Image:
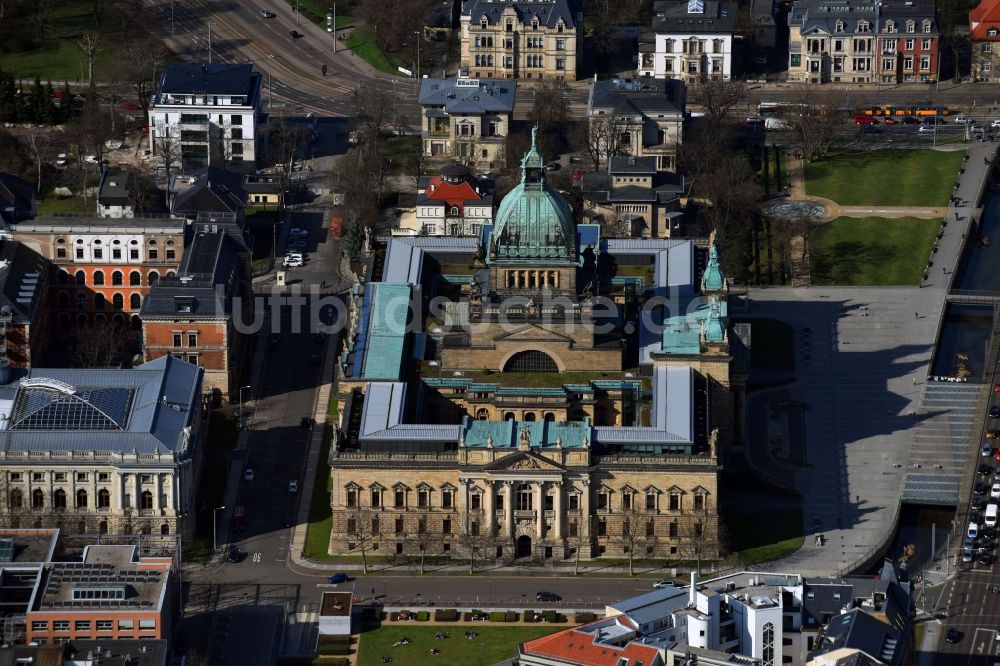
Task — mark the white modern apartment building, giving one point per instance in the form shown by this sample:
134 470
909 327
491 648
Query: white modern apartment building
692 41
206 114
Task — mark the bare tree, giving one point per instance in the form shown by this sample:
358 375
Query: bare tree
146 58
100 345
166 149
719 97
91 46
284 140
35 142
636 534
811 123
363 531
141 192
474 539
697 541
420 540
603 137
41 14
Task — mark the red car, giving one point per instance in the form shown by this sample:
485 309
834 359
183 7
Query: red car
865 120
996 387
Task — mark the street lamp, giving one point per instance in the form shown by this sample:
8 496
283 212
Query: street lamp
416 74
242 388
215 542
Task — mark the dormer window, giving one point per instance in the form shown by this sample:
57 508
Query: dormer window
890 26
483 24
534 23
910 27
992 32
454 211
184 305
863 26
839 26
926 26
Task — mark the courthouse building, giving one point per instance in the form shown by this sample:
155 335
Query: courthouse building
503 398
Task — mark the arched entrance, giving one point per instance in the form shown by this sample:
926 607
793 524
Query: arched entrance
523 546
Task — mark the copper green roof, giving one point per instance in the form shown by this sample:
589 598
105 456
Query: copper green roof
539 434
533 223
713 279
683 325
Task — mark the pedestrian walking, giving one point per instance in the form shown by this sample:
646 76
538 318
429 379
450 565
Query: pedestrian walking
857 499
916 315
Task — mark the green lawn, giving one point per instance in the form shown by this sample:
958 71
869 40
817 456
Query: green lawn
772 347
50 204
885 178
363 44
763 537
871 251
57 57
493 644
318 9
320 519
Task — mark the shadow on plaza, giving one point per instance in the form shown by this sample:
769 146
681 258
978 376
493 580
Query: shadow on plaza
777 401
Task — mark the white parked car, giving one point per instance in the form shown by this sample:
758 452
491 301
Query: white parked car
61 159
293 486
995 124
925 129
995 490
962 120
248 475
90 159
292 262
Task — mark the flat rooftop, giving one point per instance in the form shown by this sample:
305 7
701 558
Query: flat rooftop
336 604
109 578
27 546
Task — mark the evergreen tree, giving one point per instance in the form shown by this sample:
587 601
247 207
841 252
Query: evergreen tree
37 101
354 239
49 111
66 110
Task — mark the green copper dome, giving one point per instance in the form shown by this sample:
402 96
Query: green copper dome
533 221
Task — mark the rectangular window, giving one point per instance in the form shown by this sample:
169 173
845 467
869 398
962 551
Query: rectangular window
147 624
40 625
925 44
561 44
560 64
626 501
475 501
60 625
146 478
446 526
422 499
925 63
15 476
602 527
116 253
192 339
133 253
400 499
79 253
573 502
98 253
572 528
81 476
126 625
446 499
170 254
153 254
675 502
237 132
352 498
908 45
38 477
105 625
61 253
236 119
399 526
177 339
376 497
498 502
699 502
602 501
103 476
650 501
908 63
82 625
60 476
235 149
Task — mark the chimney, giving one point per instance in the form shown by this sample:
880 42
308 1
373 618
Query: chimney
692 602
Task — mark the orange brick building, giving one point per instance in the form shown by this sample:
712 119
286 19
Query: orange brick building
113 594
193 315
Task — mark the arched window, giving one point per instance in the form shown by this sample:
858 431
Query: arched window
154 277
134 279
62 277
81 301
81 320
136 323
171 274
81 527
37 498
549 417
63 299
529 416
135 301
98 277
509 416
103 499
531 361
59 499
81 499
147 500
16 499
119 301
80 278
119 321
99 301
482 414
117 278
99 318
164 529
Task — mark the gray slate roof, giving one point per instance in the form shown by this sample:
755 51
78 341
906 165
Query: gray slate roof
164 400
22 278
211 260
215 190
642 96
823 15
548 11
186 78
490 96
16 196
674 17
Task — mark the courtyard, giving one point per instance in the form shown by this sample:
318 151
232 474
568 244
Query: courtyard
920 178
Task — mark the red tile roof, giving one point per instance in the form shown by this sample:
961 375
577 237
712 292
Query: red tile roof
453 195
984 16
573 646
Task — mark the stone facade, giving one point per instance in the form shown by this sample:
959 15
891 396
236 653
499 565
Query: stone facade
524 504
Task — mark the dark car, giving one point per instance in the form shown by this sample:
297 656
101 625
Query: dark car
974 517
978 504
306 422
288 521
995 412
235 555
993 434
981 489
989 531
986 559
953 635
295 34
336 578
547 596
911 120
985 470
266 14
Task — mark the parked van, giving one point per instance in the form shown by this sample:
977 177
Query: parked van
991 515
